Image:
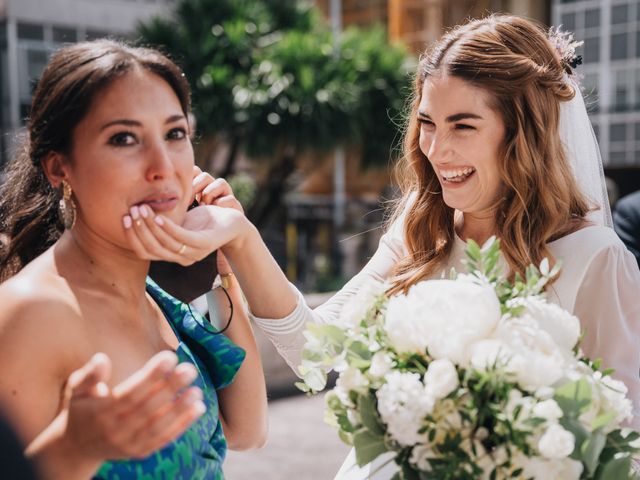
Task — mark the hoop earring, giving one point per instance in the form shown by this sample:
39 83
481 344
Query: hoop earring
67 207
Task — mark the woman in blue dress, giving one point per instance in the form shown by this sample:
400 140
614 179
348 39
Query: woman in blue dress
103 374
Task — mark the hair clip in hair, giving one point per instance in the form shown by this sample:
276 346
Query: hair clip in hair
565 45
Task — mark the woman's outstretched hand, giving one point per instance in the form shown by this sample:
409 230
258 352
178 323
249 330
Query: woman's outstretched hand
142 414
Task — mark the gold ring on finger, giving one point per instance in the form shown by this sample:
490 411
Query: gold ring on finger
182 249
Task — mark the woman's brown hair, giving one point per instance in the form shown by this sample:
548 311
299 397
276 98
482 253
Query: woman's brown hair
72 79
512 59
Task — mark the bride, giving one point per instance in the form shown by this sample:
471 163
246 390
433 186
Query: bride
498 142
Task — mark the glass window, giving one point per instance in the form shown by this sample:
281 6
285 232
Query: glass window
64 35
637 128
617 158
620 14
618 132
568 21
95 34
29 31
592 18
591 50
619 46
596 130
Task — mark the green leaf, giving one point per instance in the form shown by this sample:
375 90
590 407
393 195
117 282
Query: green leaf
619 468
369 414
368 447
591 450
602 420
303 387
574 398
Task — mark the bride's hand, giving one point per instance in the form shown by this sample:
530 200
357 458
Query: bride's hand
215 191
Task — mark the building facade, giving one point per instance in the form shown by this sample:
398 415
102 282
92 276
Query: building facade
610 30
31 29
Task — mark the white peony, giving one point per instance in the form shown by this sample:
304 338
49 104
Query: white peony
445 316
381 363
614 396
535 359
441 378
488 353
563 327
548 410
403 404
556 442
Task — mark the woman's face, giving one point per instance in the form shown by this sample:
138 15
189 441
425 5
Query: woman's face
131 148
461 135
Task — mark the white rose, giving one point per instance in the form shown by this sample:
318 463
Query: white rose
351 379
445 316
441 378
614 393
403 404
547 409
556 442
381 363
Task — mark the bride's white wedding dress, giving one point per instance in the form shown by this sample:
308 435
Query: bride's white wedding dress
599 283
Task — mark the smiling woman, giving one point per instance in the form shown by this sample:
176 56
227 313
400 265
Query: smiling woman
104 374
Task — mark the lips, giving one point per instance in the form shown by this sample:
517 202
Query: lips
456 175
160 202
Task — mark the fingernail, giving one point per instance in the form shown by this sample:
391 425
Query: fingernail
143 211
199 408
159 220
127 221
135 213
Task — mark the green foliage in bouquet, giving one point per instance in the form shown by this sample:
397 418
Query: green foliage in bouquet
471 377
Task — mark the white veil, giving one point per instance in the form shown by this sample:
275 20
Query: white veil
581 148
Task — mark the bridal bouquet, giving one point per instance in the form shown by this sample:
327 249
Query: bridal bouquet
473 377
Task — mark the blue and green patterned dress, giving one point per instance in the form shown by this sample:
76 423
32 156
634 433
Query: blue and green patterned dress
199 452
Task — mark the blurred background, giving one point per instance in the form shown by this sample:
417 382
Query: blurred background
300 105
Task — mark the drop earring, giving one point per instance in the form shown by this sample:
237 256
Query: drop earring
67 207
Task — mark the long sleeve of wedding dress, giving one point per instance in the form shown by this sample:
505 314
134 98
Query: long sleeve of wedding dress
286 334
608 306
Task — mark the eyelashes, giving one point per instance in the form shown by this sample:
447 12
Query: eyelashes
129 138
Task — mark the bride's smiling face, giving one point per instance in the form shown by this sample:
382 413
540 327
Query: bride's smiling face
462 136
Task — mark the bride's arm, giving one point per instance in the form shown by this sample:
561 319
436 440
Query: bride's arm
286 332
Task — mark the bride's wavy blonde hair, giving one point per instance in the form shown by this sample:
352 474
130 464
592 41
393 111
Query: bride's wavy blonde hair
513 60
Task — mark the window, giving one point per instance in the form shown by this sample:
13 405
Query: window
568 21
619 46
64 35
95 34
620 14
618 132
28 31
591 53
592 18
591 92
637 129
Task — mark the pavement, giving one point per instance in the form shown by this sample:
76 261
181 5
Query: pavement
300 445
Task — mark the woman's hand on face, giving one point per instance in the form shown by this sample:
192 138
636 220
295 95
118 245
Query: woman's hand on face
204 229
142 414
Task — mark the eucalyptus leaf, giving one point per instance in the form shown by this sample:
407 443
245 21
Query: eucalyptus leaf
368 446
591 450
369 414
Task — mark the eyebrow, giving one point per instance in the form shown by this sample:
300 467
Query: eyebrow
456 117
135 123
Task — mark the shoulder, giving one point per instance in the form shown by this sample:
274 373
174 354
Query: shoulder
35 315
588 243
627 209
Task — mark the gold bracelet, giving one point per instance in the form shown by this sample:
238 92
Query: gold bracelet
226 280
